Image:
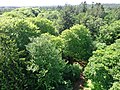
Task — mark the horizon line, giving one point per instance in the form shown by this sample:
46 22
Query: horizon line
52 5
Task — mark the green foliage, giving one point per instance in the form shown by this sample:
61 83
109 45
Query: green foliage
97 10
84 8
116 86
53 16
103 67
109 33
32 55
11 75
20 30
44 25
46 61
78 43
23 29
91 22
94 24
112 15
22 12
72 72
59 42
68 17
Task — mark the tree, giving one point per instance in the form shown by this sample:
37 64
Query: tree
109 33
116 86
47 61
22 12
11 72
20 30
92 23
103 67
14 35
78 43
112 15
53 16
99 11
44 25
67 17
23 29
84 8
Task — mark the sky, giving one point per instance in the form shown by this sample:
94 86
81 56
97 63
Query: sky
50 2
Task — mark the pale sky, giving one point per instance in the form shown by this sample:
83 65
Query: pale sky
50 2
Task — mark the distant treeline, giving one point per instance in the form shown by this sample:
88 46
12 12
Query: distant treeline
9 8
6 9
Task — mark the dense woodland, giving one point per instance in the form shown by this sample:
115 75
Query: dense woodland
60 48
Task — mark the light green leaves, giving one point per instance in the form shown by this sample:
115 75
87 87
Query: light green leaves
78 42
104 66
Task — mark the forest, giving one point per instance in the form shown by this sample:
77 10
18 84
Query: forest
70 47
